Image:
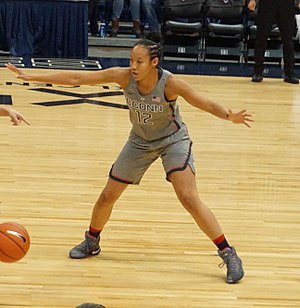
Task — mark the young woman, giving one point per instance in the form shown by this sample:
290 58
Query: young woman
157 131
15 116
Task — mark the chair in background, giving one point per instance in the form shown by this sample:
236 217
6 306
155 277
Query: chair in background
182 28
224 30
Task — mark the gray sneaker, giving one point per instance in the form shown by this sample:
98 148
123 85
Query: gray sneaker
234 264
90 305
89 247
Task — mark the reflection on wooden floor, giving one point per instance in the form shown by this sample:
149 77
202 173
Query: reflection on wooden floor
153 255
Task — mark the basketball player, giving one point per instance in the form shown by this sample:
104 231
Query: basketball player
15 116
157 131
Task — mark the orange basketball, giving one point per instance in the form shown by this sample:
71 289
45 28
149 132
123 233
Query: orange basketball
14 242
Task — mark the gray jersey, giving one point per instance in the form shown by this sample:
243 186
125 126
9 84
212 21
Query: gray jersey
152 117
157 131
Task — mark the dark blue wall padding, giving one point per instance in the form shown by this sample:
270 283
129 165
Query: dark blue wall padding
44 28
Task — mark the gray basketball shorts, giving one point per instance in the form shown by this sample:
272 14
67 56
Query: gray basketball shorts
134 160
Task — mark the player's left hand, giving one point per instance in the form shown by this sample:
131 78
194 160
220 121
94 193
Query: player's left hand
241 117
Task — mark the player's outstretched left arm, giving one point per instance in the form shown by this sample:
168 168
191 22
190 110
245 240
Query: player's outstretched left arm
15 116
177 87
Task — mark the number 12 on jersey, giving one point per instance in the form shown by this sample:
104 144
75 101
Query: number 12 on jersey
144 117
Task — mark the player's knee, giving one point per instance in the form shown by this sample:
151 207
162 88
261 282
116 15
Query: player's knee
189 201
106 197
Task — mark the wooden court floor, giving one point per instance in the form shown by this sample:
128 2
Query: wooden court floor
153 255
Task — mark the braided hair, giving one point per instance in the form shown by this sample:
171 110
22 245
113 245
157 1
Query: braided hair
152 43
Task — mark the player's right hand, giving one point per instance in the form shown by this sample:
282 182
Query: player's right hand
20 73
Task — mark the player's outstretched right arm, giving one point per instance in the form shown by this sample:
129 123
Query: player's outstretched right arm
74 78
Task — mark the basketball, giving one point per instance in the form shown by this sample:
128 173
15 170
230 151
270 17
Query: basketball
14 242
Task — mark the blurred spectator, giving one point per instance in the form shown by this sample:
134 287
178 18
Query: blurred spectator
135 14
148 6
282 12
297 4
93 17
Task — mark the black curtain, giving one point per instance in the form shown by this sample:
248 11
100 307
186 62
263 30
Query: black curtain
44 28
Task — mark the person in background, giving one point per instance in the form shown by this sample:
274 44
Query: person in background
135 14
15 116
282 12
93 17
148 7
297 6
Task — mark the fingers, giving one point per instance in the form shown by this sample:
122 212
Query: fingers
17 119
241 117
26 122
247 120
245 114
13 69
241 112
20 118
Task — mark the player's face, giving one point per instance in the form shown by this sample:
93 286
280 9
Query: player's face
140 63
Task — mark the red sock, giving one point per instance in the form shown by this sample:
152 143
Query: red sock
221 242
94 232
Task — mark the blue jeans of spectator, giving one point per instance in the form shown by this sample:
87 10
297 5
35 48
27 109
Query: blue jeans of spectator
134 9
148 7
